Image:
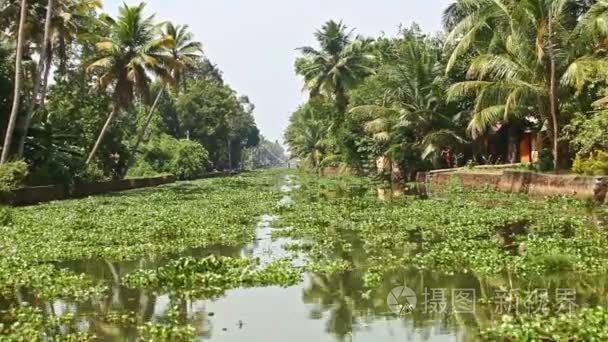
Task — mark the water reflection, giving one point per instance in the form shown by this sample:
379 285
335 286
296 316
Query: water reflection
398 190
337 306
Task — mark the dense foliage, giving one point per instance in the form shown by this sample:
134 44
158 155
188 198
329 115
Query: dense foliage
12 176
186 159
501 70
122 87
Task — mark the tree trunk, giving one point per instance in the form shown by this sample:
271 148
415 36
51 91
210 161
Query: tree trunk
553 101
43 63
142 132
8 139
229 144
101 135
513 149
341 105
45 80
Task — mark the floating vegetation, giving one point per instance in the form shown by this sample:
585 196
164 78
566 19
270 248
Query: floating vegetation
144 265
162 220
586 325
26 323
211 277
453 232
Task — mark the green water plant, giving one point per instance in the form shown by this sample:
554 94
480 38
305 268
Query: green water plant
586 325
211 277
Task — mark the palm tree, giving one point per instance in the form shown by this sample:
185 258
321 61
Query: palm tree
184 54
38 77
63 22
124 58
526 53
8 140
413 117
308 138
340 64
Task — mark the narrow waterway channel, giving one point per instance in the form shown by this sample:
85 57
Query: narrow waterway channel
321 308
327 305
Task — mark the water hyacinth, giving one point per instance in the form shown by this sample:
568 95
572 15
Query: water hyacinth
115 260
211 277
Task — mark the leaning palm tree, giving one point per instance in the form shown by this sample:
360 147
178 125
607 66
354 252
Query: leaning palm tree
184 53
131 50
8 139
340 64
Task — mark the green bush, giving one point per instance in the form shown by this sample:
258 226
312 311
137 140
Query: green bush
587 132
595 164
142 169
92 173
189 160
12 175
185 159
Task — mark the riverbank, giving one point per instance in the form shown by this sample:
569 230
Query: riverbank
42 194
530 183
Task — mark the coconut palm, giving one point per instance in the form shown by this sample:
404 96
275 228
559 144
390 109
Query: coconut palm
184 53
131 50
340 64
309 143
413 115
8 139
64 20
527 58
308 136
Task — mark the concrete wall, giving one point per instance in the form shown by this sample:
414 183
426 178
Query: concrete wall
89 189
41 194
535 184
468 179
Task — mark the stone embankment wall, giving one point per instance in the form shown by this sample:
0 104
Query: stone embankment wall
532 183
41 194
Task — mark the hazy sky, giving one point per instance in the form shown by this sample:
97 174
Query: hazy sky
253 41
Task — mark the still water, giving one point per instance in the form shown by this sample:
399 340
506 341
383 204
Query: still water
322 308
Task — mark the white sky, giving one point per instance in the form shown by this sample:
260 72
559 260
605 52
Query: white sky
253 41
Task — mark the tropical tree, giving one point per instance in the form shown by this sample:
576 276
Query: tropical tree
212 114
402 107
183 55
341 63
528 59
8 139
43 63
62 21
308 135
131 50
